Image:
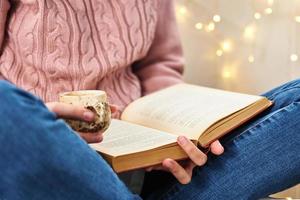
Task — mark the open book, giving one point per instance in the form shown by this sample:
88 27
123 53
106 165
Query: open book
149 126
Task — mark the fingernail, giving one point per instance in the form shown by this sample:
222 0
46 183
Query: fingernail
182 140
89 116
149 169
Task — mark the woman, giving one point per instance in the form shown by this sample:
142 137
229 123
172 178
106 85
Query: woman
129 49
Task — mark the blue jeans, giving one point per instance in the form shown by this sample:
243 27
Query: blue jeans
41 157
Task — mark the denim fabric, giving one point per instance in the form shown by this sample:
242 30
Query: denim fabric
42 158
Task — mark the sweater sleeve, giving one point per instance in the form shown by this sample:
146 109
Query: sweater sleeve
4 7
163 65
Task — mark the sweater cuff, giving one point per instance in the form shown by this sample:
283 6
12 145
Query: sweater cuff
159 83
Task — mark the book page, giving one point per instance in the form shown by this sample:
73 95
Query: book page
186 109
123 138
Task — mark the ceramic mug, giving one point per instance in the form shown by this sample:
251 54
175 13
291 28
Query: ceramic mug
94 100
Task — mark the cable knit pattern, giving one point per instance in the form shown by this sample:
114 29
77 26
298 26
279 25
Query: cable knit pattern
52 46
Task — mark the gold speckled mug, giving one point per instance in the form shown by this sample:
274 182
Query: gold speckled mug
94 100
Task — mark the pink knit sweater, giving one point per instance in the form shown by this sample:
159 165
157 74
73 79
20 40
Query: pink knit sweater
126 47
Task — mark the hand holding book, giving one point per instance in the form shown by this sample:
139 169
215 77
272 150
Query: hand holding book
183 170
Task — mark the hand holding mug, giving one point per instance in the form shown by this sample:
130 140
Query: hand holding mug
87 112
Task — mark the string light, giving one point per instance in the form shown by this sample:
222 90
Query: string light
297 19
210 27
181 13
219 52
229 70
182 10
270 2
199 26
226 46
251 59
257 16
217 18
249 32
294 57
226 73
268 11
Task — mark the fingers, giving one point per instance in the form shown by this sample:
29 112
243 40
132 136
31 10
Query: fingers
113 108
217 148
178 172
197 156
183 172
92 137
68 111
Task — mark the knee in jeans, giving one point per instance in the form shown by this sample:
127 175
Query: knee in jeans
289 91
291 85
6 90
10 95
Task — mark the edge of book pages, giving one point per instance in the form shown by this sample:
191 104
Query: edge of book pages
229 122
